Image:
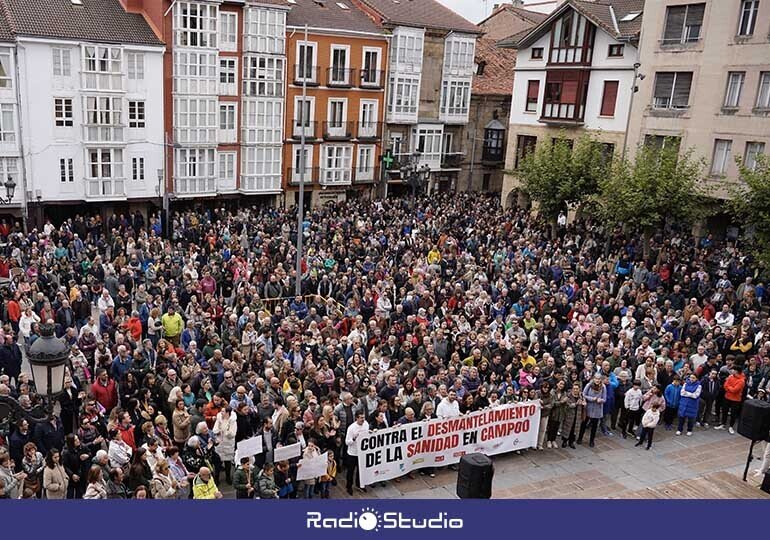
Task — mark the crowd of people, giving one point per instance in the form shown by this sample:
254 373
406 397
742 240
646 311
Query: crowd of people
182 347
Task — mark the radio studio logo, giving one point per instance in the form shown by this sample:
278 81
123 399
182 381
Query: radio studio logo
369 519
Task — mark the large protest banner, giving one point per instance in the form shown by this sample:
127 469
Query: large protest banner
393 452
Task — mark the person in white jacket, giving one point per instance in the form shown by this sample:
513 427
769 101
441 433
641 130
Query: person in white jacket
354 431
649 421
27 319
225 428
631 413
449 407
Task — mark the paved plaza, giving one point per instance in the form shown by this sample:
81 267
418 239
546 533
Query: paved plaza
707 465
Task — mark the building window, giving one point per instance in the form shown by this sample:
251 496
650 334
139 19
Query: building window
227 128
303 115
226 170
136 117
486 180
262 168
458 56
102 68
6 71
263 121
194 170
672 90
537 53
66 170
103 119
228 31
683 23
337 163
195 73
195 25
339 72
265 30
263 76
62 62
659 142
615 51
455 97
105 172
721 158
609 97
365 163
734 87
748 17
305 69
428 142
493 145
135 64
763 95
753 150
533 93
7 124
137 169
9 168
403 95
228 69
195 120
370 71
525 145
407 50
63 112
297 164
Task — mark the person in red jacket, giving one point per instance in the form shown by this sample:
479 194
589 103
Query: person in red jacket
104 390
733 387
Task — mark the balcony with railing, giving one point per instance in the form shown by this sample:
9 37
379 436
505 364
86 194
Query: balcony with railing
338 131
293 174
340 77
452 160
197 185
367 174
261 184
310 129
368 130
372 78
307 74
102 134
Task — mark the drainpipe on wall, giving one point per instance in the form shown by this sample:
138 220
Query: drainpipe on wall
23 168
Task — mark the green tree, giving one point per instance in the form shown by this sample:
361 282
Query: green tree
662 183
751 202
560 173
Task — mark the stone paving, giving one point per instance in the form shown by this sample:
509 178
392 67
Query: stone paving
707 465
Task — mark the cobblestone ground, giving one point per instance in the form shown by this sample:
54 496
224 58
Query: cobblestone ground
707 465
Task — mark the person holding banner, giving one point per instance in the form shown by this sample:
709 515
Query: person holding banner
354 431
245 479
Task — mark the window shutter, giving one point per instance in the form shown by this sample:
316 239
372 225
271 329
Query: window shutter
695 14
663 84
674 23
682 89
569 92
609 98
533 89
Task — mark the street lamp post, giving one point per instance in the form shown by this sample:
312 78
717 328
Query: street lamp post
48 357
10 189
414 175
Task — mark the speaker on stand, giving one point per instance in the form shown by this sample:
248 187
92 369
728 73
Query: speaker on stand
474 477
754 424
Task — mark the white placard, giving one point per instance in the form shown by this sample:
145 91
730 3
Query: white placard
287 452
312 467
248 447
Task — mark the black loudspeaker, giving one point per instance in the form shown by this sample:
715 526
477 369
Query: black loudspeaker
755 420
474 478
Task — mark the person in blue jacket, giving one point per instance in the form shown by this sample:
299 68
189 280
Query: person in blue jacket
672 396
689 403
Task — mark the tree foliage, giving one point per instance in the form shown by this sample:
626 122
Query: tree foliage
660 183
751 202
558 174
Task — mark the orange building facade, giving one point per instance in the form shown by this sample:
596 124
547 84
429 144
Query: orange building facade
342 115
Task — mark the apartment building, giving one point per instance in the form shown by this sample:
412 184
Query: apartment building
575 73
89 96
224 94
707 84
430 74
341 64
485 135
12 208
